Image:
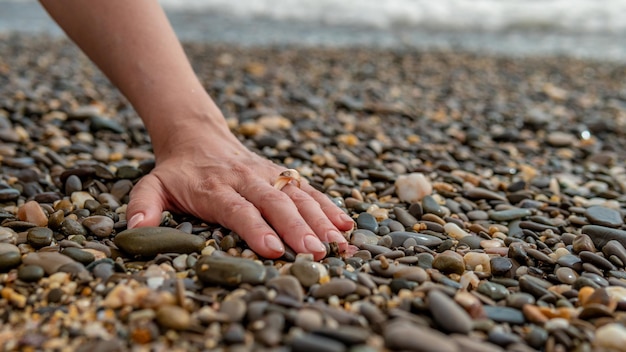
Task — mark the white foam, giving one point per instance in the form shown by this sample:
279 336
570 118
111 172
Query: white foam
570 16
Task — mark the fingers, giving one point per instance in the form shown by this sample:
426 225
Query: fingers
284 216
147 202
236 213
340 219
311 211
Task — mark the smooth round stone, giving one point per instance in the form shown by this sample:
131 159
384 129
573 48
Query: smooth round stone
570 261
71 227
519 299
560 139
504 314
121 188
482 193
402 335
430 205
534 285
307 272
316 343
335 287
411 273
425 260
597 260
473 242
404 217
309 319
600 235
361 236
128 172
510 214
234 309
79 198
493 290
449 262
99 225
398 238
566 275
30 273
616 249
583 242
31 212
9 194
10 259
611 337
500 265
8 235
448 314
173 317
73 184
79 255
229 271
474 259
604 216
348 335
150 241
39 237
453 230
367 221
288 286
50 261
413 187
476 215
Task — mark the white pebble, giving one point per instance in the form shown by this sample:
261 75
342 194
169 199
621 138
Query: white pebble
413 187
455 231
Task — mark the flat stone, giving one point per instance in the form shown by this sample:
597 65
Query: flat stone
510 214
600 235
287 285
229 271
604 216
367 221
39 237
504 315
448 314
405 336
150 241
335 287
398 238
316 343
50 261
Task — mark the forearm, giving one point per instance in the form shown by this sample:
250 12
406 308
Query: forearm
133 43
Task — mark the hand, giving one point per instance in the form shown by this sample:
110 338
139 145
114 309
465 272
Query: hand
220 181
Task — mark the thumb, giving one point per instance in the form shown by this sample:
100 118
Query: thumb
147 202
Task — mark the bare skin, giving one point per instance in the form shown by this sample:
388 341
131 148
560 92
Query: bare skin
201 167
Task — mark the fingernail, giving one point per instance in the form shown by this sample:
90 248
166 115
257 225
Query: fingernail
336 236
313 244
136 219
274 244
346 218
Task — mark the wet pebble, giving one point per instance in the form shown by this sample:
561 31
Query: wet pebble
229 271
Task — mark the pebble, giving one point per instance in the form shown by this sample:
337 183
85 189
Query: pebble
229 271
402 335
39 237
335 287
413 187
367 221
449 262
99 225
30 273
449 315
52 262
150 241
173 317
32 212
603 216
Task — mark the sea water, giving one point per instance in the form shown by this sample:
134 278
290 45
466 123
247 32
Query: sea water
579 28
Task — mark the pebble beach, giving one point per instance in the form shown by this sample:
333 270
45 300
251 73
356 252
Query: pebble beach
488 194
